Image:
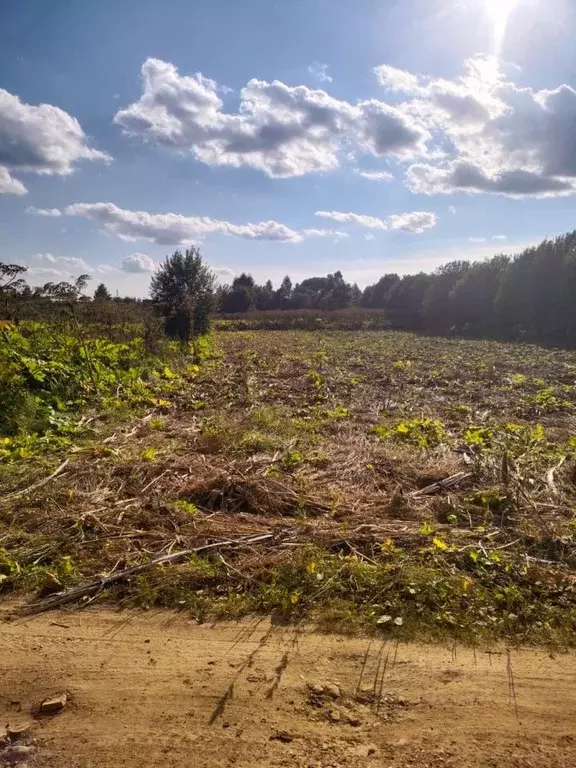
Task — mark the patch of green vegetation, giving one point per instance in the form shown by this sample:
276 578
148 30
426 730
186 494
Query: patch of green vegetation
52 371
421 432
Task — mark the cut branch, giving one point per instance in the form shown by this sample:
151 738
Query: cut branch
442 485
95 587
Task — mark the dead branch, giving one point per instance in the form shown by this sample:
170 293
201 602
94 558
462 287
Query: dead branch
39 484
61 598
442 485
550 476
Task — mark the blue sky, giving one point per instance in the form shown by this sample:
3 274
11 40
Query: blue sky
356 135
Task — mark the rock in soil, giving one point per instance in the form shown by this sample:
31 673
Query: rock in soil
51 706
332 690
282 736
15 754
17 732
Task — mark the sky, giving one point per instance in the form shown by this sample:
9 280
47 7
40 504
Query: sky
282 136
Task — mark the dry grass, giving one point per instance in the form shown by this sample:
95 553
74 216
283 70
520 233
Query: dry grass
276 435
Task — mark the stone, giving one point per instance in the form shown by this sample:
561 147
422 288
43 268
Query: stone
334 716
17 732
282 736
16 753
332 690
354 721
52 706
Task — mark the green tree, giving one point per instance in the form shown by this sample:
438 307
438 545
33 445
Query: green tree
184 287
436 306
102 293
12 287
241 296
375 296
404 303
472 298
284 294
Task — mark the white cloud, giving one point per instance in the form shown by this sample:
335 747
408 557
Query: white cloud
372 222
278 129
334 233
499 237
452 209
478 239
493 136
47 272
320 72
376 175
138 263
466 177
75 263
43 211
176 229
67 261
415 222
397 79
8 184
369 236
42 139
223 271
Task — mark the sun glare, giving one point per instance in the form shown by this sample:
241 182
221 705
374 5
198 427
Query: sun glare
499 12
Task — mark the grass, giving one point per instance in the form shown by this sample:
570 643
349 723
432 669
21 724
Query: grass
333 441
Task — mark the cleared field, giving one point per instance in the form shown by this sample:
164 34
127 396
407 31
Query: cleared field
418 486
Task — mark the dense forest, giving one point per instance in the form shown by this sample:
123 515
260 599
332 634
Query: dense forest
531 296
526 297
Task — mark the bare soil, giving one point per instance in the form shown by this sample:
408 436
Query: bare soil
157 689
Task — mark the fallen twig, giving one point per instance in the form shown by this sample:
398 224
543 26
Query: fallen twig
442 485
39 484
100 584
550 476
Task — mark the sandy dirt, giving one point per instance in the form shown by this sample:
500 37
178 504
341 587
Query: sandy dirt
154 689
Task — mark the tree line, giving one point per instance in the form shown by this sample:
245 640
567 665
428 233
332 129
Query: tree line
530 296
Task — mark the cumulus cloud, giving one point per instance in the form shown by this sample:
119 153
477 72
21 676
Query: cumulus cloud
415 222
75 263
278 129
397 79
67 261
375 175
467 177
176 229
40 139
336 234
493 136
8 184
320 72
138 263
43 211
47 272
499 237
372 222
225 272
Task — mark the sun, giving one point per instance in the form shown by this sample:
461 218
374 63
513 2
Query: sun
499 12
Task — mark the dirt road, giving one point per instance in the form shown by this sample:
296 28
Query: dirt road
159 690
